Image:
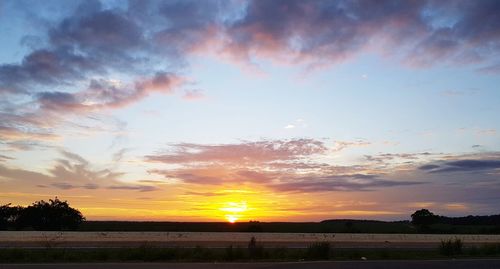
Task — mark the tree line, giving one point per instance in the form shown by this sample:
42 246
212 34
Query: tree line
57 215
426 217
54 215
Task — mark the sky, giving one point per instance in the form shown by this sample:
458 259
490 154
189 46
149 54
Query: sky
239 110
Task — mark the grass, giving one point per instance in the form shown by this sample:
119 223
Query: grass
318 251
451 247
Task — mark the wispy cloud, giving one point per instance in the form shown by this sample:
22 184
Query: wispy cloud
281 165
465 165
487 132
246 152
298 123
69 172
193 95
341 145
4 158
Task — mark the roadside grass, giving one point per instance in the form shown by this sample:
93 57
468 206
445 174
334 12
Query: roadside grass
317 251
451 247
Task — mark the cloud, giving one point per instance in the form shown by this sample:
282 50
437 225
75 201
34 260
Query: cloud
388 159
428 167
280 165
69 172
322 32
17 134
90 41
139 188
118 156
98 56
339 183
21 174
487 132
206 194
193 95
55 108
491 69
256 176
4 158
466 165
301 168
103 94
69 186
25 130
94 39
192 177
341 145
455 93
102 33
298 123
71 75
246 152
43 67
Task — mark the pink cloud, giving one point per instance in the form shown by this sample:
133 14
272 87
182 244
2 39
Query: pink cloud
281 165
193 95
261 151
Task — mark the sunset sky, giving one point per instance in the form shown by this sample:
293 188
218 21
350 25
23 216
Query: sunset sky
251 110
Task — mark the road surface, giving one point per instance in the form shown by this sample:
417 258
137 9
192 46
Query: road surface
437 264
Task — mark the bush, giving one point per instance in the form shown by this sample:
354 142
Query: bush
451 247
54 215
423 218
254 250
9 215
202 254
233 253
490 249
279 253
318 251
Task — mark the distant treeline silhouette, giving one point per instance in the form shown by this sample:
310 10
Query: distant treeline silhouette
426 217
57 215
54 215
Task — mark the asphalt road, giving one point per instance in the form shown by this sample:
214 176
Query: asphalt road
438 264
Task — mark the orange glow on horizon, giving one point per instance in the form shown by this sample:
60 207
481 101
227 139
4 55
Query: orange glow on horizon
235 210
231 218
230 204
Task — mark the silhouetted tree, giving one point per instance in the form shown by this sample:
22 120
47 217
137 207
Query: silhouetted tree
424 217
50 216
9 215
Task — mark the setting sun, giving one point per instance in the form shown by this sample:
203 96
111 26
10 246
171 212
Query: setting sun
234 209
231 218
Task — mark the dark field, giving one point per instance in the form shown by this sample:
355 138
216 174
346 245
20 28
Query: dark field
434 264
334 226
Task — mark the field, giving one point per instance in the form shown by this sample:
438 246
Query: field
333 226
217 239
36 246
